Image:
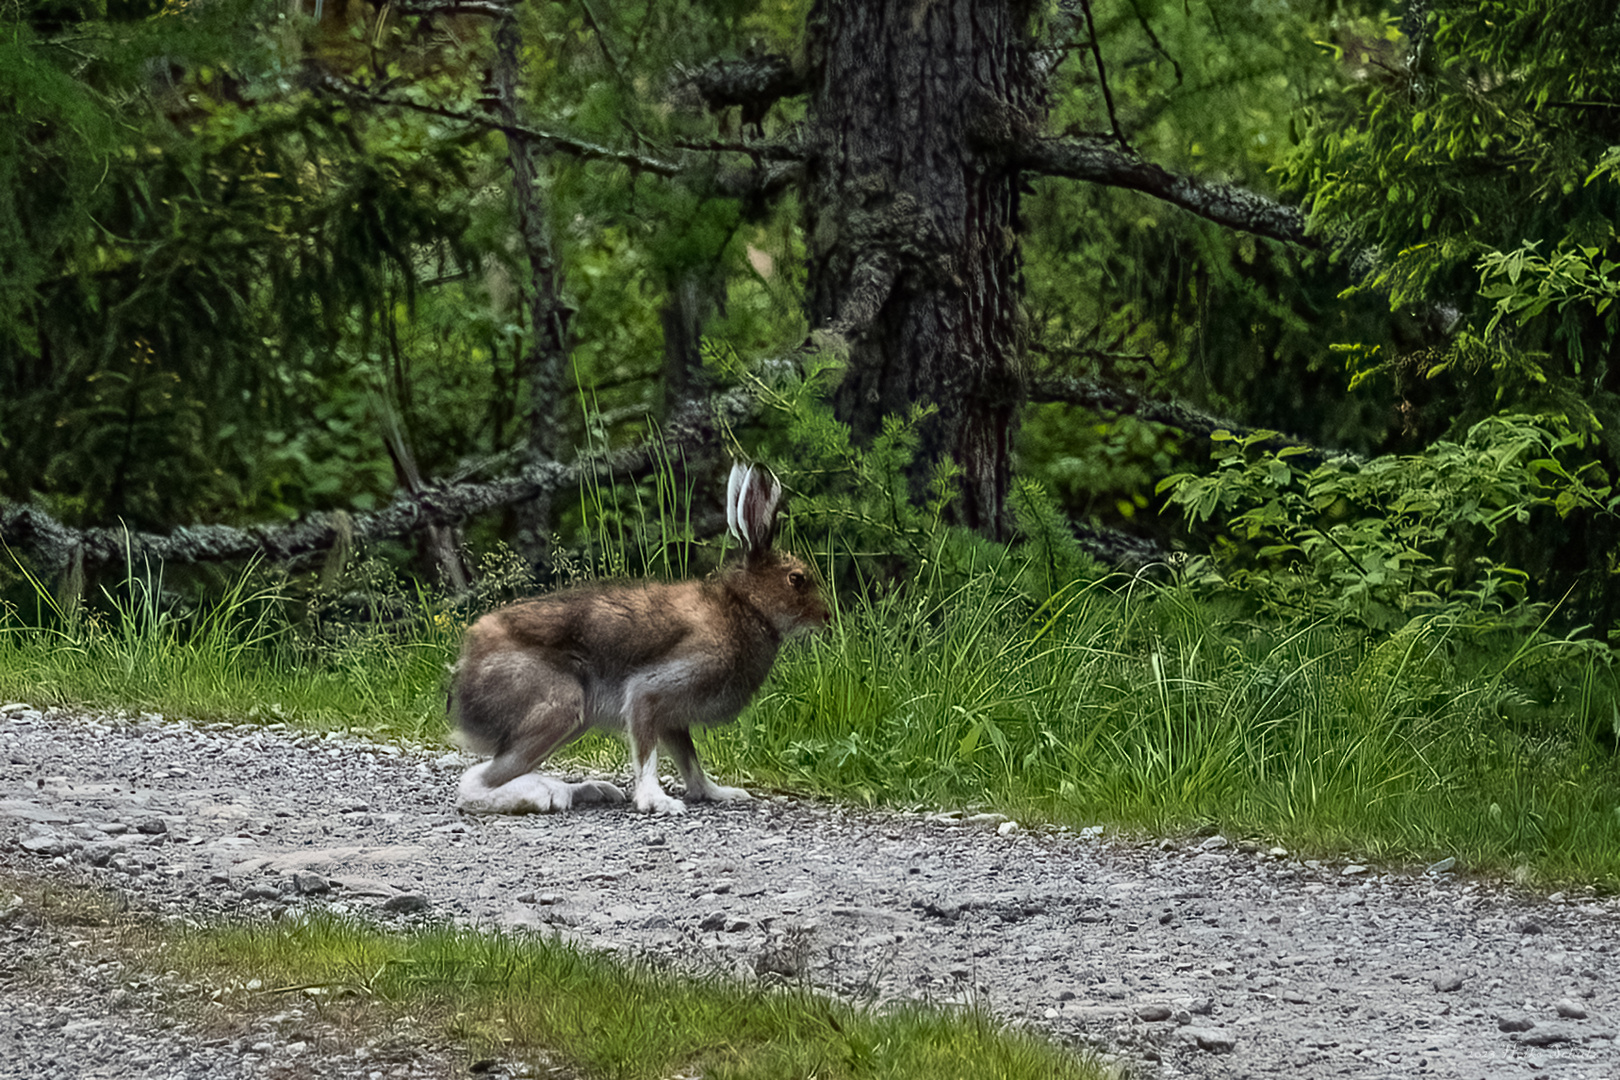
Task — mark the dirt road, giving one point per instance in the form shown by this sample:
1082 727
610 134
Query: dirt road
1204 958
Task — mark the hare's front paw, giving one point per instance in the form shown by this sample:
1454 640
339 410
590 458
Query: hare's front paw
719 793
656 802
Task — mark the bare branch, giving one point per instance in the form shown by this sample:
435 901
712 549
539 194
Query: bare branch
567 144
493 9
1102 74
788 147
1119 549
871 282
1102 397
55 546
778 164
759 182
1101 162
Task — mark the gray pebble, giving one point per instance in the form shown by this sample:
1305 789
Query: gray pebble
309 884
1549 1034
1311 965
406 903
1214 1040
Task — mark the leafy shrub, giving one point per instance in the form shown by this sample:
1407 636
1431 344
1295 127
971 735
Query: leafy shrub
1382 540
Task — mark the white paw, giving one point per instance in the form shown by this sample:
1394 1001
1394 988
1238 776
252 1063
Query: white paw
526 794
656 802
719 793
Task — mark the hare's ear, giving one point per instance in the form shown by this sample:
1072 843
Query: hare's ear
757 496
734 490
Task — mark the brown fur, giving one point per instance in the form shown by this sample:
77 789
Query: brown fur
648 659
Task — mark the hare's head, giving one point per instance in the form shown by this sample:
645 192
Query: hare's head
779 584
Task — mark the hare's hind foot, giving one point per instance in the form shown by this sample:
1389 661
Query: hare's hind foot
530 794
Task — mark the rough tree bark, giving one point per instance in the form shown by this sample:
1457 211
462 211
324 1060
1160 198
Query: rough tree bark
912 222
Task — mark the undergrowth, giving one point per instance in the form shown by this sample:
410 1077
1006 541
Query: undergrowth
1148 707
962 673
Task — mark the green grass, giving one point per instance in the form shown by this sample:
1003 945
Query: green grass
1150 710
611 1018
1133 705
526 997
236 658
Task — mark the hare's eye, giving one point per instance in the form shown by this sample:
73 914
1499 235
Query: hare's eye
796 579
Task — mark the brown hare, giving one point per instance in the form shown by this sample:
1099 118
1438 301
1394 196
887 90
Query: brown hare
650 660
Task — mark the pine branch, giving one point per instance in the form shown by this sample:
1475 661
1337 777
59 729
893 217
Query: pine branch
1102 162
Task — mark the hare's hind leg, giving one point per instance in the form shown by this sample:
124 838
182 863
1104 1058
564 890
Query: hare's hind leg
699 785
524 709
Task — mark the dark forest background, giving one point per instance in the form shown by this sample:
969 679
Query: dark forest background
1315 294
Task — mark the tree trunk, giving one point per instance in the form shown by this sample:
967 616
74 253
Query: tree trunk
545 361
911 218
694 295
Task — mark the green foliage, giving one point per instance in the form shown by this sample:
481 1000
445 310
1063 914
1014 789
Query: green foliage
1470 175
1493 155
851 501
182 318
1122 287
1490 141
1106 468
1381 541
251 651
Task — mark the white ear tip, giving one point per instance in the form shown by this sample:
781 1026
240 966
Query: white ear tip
734 490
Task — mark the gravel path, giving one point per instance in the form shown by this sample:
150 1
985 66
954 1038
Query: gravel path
1196 959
